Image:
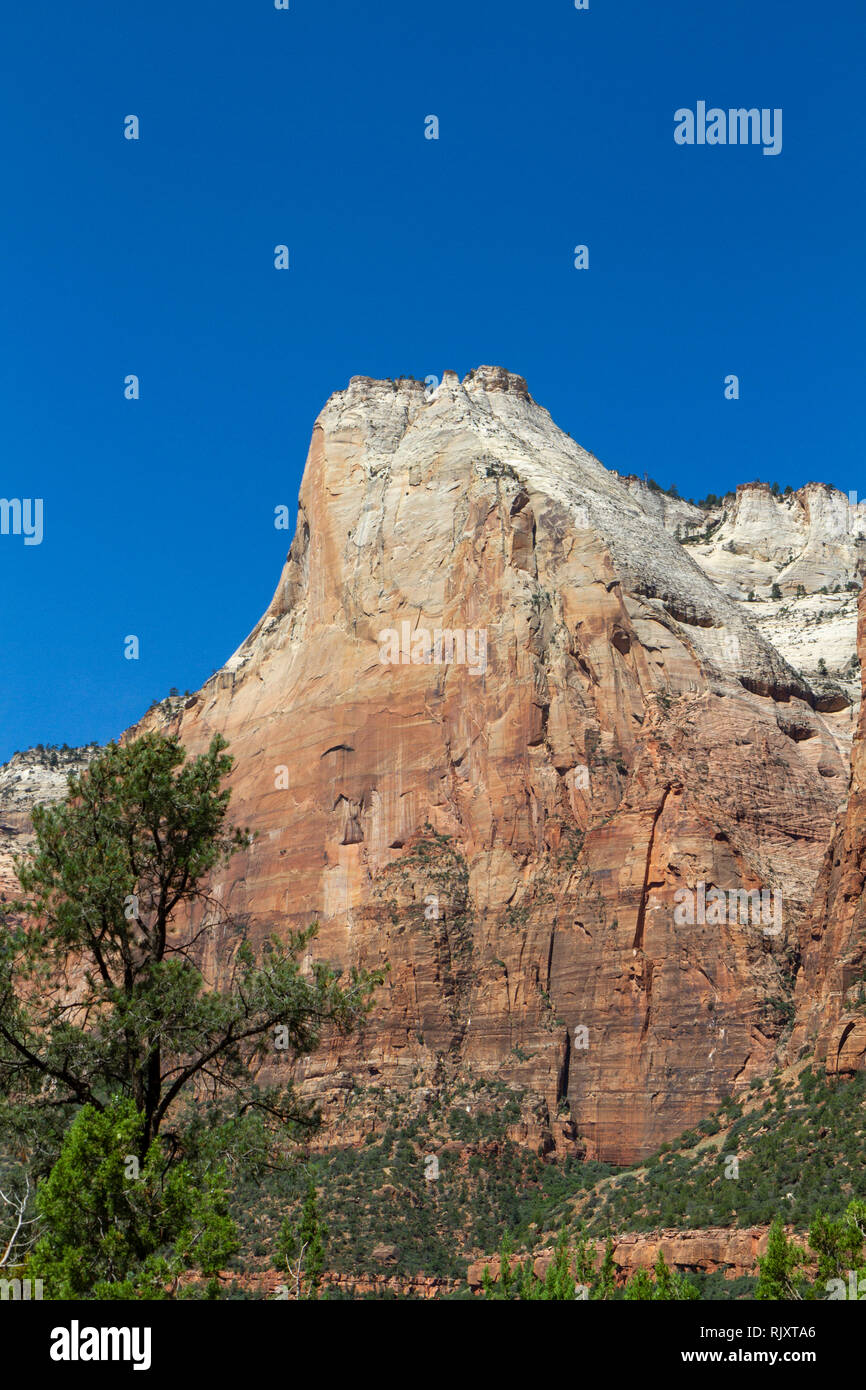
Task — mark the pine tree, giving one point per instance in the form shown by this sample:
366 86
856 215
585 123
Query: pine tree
663 1279
584 1260
839 1247
606 1285
117 1227
559 1282
778 1276
639 1287
117 892
671 1287
502 1287
301 1247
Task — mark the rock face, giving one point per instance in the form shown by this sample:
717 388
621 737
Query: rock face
29 778
811 546
831 986
807 548
683 519
526 819
811 539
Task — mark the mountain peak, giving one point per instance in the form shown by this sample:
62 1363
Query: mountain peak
495 719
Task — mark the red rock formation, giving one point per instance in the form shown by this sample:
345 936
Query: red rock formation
713 1250
622 734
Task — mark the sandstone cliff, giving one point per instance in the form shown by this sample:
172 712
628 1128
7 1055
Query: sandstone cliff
513 831
831 986
806 547
811 539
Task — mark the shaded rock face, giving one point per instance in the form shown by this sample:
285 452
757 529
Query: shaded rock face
807 548
811 546
831 985
519 830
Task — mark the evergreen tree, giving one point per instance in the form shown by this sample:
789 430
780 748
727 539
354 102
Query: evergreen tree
666 1287
560 1284
605 1287
839 1247
116 1227
301 1247
103 999
559 1281
778 1276
639 1287
584 1260
663 1278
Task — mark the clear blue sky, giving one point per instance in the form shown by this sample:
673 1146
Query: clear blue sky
408 256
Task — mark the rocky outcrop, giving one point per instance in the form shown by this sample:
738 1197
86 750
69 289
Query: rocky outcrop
517 817
792 560
806 548
812 539
714 1250
28 779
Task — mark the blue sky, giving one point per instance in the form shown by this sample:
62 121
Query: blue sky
408 256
